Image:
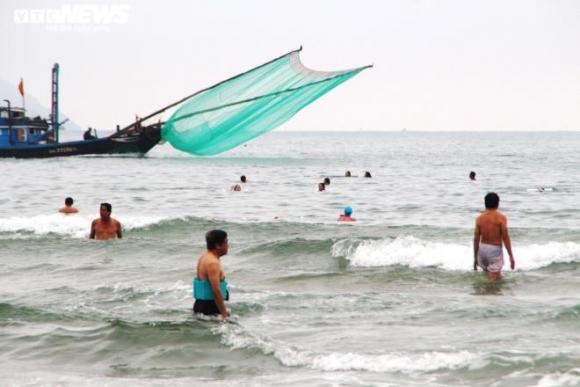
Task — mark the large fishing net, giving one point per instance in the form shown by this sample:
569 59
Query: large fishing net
236 110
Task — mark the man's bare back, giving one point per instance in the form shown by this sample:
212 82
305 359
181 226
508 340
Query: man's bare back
68 210
68 207
491 233
491 225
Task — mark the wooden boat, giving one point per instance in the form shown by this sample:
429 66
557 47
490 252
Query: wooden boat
25 137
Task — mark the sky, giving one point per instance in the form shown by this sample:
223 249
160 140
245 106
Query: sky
438 65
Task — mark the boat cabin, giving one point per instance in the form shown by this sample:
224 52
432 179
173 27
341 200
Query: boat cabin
16 129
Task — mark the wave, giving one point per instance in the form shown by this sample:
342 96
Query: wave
508 364
14 314
416 253
236 337
76 226
567 378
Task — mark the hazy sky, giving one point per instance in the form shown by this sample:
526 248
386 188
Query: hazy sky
439 65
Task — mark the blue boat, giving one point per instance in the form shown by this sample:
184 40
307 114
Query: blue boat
26 137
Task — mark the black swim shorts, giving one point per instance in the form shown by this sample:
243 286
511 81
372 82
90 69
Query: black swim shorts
207 307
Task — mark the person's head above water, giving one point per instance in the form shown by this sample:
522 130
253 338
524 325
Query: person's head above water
243 178
68 201
472 175
217 240
327 180
367 174
321 187
348 210
491 201
347 174
105 211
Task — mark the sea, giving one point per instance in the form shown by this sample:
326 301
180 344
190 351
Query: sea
388 300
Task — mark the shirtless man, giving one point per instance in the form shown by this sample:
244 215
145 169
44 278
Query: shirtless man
490 232
68 207
105 227
209 285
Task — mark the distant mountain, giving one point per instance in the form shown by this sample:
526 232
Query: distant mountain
34 108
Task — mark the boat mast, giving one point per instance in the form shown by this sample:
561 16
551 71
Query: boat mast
9 122
54 107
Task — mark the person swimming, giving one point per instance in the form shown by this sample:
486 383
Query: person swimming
68 207
472 175
347 216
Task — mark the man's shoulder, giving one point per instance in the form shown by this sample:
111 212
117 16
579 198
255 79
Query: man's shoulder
502 217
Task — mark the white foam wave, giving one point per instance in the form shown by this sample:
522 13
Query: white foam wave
415 363
236 337
416 253
77 226
570 378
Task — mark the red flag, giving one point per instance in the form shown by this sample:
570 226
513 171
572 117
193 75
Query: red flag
21 87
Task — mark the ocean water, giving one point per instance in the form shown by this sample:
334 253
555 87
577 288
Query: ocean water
387 301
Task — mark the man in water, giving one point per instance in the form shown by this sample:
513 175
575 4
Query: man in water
68 207
209 285
491 232
243 178
105 227
346 217
321 187
472 175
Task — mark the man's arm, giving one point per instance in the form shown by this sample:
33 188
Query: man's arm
213 276
476 239
119 230
93 231
505 236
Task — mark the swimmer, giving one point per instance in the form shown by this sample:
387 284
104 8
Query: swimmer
210 288
347 174
105 227
243 178
236 187
491 233
327 181
368 174
68 207
321 187
346 217
472 176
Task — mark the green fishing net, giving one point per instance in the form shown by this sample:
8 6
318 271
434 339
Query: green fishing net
243 107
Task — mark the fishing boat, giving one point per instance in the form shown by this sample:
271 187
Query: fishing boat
35 137
207 122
